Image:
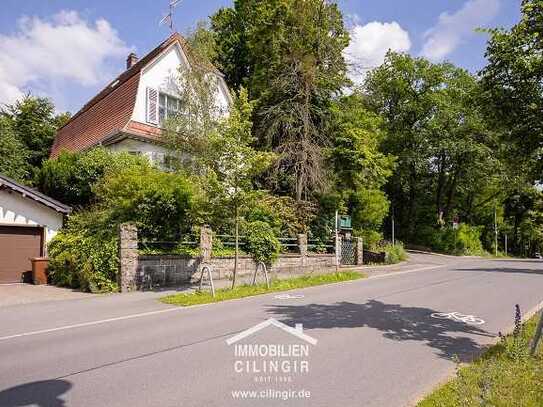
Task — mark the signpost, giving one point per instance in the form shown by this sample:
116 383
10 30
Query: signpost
537 336
495 231
455 223
338 248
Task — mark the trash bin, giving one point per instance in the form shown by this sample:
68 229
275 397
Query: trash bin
39 270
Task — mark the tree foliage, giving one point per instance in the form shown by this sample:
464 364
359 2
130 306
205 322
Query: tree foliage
13 152
289 55
34 123
446 153
71 177
513 87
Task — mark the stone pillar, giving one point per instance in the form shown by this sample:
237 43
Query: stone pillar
359 251
128 257
338 251
302 247
206 243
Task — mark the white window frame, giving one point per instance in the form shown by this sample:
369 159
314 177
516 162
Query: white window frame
163 110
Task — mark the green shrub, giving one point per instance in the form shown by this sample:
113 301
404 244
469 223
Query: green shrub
70 177
83 255
371 238
284 214
261 242
466 240
163 205
395 253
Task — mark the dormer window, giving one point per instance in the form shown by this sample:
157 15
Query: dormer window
168 107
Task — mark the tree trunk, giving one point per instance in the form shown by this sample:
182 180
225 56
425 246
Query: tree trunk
451 194
237 248
439 189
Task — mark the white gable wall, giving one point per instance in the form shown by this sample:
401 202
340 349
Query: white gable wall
18 210
154 152
161 74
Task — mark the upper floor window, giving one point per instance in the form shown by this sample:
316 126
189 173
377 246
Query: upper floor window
168 106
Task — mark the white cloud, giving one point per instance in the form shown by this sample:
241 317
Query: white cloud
369 45
44 52
452 30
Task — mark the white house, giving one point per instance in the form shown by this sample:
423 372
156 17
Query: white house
127 114
28 220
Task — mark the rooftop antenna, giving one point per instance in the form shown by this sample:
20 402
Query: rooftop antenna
168 18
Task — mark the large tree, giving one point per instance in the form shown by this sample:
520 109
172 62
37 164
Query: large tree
35 123
289 54
14 153
513 84
360 168
446 153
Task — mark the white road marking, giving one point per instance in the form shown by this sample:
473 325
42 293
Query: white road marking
289 296
91 323
457 316
398 273
163 311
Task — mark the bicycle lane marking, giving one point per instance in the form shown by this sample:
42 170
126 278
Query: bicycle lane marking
459 317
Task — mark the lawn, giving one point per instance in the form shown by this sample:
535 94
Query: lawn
505 376
224 294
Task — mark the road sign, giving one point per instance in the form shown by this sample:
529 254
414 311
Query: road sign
345 222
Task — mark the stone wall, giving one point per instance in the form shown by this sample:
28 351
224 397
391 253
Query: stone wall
181 270
137 271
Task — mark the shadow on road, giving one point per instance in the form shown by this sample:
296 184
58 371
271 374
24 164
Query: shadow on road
505 270
397 322
42 394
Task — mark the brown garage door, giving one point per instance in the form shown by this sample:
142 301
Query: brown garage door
17 245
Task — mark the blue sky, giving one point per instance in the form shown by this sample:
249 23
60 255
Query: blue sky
69 49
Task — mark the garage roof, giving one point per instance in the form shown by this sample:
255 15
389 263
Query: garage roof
27 192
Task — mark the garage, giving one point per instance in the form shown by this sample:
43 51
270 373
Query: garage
28 221
17 245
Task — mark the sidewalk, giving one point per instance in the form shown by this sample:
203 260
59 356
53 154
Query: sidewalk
16 294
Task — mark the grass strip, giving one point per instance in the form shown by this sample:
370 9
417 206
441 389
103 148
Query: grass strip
505 375
224 294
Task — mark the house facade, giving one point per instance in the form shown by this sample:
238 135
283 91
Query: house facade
28 221
128 114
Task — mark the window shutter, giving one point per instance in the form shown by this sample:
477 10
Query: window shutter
152 106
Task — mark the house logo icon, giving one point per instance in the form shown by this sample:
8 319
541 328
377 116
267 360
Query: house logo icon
297 331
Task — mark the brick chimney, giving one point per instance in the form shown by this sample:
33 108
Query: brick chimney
131 60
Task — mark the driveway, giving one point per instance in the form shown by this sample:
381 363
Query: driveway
16 294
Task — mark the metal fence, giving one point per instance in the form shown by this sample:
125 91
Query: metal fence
183 246
320 246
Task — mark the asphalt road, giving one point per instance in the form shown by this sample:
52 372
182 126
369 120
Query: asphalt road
377 342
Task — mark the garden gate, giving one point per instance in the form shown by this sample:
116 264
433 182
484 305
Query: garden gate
347 251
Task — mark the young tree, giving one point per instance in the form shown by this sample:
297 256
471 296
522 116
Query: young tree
216 146
235 161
